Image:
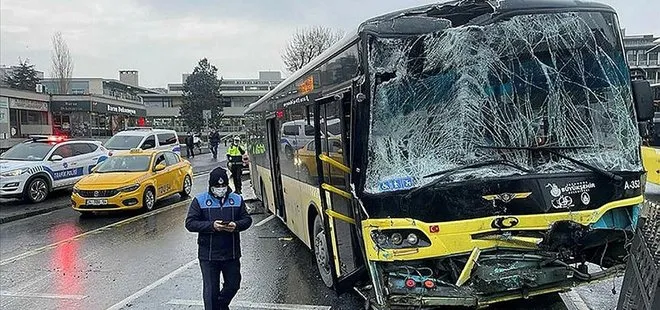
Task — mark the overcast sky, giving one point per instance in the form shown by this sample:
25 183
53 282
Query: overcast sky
164 38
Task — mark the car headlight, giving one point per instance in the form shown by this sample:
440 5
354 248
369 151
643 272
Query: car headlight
129 188
13 173
76 190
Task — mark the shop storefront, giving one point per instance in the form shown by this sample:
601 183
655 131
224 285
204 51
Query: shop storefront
28 117
94 118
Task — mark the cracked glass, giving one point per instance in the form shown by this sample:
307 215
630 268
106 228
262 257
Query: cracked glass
445 99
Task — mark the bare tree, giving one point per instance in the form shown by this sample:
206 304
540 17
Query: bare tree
62 63
308 43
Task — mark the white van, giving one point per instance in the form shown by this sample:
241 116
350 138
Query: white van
145 138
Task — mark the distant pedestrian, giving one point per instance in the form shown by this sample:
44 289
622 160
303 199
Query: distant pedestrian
190 146
197 141
214 140
235 162
218 216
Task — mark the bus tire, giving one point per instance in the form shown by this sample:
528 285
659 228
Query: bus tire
321 252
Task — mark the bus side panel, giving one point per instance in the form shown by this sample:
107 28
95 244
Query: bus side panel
294 213
263 175
310 197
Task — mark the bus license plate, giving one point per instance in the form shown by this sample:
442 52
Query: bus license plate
97 202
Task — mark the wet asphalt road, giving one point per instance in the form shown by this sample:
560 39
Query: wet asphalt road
148 261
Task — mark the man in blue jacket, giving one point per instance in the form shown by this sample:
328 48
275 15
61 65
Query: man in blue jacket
218 216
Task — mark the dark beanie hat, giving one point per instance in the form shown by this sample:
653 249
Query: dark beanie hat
218 177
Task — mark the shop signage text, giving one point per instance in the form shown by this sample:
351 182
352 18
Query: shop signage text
27 104
120 109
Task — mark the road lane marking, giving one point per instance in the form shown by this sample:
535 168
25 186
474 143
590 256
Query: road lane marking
36 295
152 286
91 232
248 304
573 301
264 221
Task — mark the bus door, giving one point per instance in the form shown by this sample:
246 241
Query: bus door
332 126
275 170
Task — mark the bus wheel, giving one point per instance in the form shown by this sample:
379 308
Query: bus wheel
321 252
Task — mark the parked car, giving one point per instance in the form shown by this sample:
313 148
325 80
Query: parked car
145 138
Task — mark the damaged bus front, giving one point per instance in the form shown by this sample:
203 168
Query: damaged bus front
502 155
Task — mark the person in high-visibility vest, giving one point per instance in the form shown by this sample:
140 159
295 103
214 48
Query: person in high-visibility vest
235 161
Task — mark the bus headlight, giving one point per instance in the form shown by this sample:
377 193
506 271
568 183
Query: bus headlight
393 238
397 238
412 239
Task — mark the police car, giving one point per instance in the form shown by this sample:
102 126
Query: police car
32 169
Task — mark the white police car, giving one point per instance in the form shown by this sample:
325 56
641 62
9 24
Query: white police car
32 169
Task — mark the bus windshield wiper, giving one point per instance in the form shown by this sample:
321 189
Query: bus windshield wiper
442 175
553 150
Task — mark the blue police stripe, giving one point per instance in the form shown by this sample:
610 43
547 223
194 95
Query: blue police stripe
65 174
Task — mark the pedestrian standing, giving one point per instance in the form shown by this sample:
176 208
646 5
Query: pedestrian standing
218 216
214 140
190 146
235 161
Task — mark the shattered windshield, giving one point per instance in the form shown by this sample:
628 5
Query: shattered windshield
546 80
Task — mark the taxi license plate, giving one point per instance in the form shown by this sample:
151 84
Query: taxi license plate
96 202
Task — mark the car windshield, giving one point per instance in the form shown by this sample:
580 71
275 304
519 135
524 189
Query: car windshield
135 163
29 151
122 142
557 80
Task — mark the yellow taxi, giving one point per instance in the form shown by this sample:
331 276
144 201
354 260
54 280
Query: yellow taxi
133 180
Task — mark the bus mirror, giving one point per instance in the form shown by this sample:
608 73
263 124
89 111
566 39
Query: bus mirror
643 100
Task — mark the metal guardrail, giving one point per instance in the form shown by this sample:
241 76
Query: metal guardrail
641 283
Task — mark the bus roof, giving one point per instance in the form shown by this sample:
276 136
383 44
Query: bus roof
327 54
448 10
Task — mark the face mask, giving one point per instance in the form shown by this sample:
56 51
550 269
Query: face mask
219 191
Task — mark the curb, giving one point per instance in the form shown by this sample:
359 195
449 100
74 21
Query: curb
21 216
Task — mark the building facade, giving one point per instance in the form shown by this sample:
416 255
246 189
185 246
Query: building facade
643 52
163 110
23 113
97 107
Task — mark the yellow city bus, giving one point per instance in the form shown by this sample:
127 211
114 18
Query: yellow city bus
463 153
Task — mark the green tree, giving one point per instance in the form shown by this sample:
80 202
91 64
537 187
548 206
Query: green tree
201 91
23 77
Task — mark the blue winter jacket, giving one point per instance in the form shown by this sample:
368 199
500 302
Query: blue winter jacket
203 211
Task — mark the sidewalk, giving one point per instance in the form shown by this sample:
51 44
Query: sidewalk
14 209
